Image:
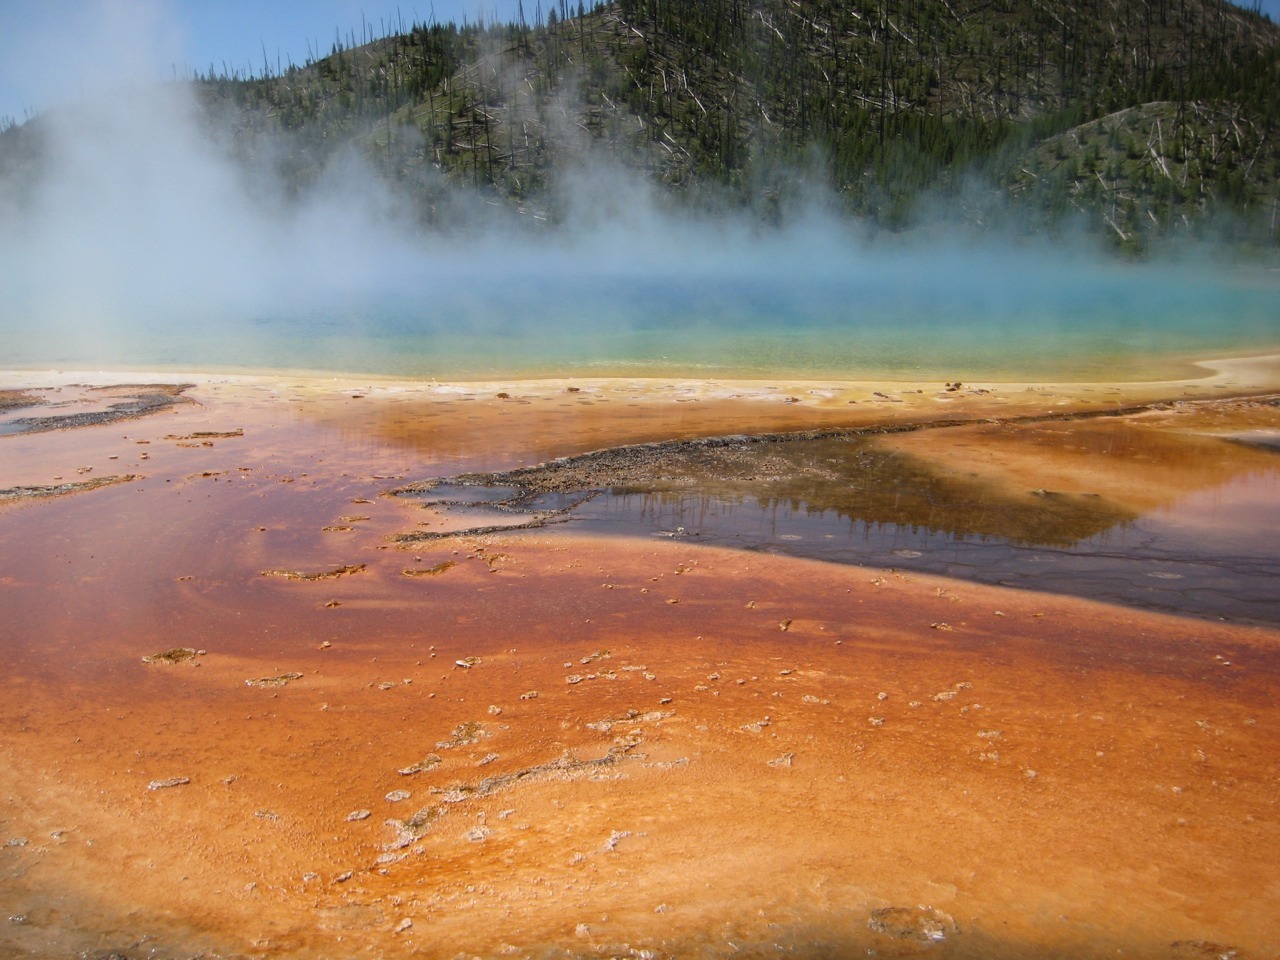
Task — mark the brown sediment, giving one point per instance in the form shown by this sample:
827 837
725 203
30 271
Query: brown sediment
333 574
277 681
114 404
45 491
206 435
18 400
1049 777
173 655
415 537
432 571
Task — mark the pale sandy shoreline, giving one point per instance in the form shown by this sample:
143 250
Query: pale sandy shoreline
1257 372
680 406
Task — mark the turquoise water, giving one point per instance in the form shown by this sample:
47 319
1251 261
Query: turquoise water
768 313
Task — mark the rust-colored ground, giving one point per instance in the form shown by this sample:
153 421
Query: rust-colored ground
615 747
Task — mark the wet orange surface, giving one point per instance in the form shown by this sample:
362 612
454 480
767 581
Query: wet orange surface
614 747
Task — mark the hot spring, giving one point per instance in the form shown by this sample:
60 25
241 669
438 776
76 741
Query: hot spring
774 309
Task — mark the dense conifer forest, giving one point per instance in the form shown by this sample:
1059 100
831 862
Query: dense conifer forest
1138 120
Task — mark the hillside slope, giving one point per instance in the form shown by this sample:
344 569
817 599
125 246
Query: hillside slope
1140 119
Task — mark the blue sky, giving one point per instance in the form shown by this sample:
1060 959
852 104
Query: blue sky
238 30
120 40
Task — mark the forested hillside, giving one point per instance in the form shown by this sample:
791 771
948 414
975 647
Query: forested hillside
1137 119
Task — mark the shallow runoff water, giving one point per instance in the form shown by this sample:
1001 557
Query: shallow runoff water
1222 566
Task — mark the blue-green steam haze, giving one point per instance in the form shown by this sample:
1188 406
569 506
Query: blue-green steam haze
142 245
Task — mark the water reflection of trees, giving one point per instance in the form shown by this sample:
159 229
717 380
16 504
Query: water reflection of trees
839 482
